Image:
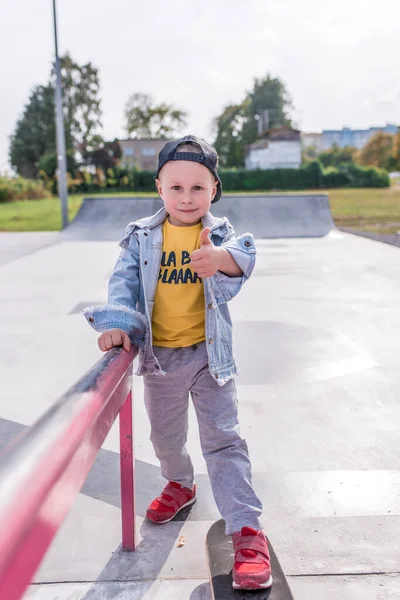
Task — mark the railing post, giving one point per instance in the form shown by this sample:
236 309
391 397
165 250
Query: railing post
127 475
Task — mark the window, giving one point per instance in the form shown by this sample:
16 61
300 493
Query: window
129 151
148 152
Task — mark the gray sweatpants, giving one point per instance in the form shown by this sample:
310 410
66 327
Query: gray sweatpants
224 450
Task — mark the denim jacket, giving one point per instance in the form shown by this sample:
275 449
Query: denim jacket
132 287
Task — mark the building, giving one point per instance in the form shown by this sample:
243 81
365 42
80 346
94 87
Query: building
141 154
279 148
351 137
311 140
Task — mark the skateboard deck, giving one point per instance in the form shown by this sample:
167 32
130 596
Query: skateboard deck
219 552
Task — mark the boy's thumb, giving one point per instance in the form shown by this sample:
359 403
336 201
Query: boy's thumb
204 239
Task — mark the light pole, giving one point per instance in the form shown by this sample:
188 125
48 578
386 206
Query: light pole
61 152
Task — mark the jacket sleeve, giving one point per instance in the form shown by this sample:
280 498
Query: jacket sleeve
243 251
123 293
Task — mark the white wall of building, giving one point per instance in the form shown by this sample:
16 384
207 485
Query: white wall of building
277 155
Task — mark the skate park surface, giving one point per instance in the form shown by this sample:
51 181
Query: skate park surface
316 333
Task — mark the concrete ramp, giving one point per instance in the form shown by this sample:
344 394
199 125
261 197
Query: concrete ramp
280 216
266 216
106 218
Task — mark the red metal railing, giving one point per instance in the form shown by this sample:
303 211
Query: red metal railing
43 469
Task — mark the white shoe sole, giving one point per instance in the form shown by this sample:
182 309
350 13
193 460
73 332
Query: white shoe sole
260 586
192 501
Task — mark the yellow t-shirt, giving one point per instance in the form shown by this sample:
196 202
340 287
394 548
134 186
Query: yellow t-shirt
178 312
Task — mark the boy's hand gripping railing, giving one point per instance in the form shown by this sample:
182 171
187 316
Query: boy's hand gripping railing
42 470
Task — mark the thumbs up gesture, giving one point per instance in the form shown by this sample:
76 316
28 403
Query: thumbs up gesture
204 239
205 261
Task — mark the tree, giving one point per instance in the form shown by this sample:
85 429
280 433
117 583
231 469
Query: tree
396 151
35 134
378 152
237 126
144 119
268 94
229 140
309 154
48 165
81 102
338 156
106 156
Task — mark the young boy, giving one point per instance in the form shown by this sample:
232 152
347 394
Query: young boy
168 294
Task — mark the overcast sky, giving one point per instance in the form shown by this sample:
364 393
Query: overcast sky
339 60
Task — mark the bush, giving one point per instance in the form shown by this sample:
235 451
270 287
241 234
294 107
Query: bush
309 177
3 193
351 175
313 175
335 178
18 188
144 181
48 163
371 177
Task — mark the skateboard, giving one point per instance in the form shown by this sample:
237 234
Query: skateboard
219 552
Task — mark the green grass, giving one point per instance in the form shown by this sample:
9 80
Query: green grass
376 210
42 215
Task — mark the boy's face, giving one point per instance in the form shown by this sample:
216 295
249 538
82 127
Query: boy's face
187 189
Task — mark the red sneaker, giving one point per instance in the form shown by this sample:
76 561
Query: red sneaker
173 499
252 566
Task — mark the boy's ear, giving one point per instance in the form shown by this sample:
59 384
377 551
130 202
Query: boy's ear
215 188
159 188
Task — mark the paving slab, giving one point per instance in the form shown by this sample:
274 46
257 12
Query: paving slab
369 587
165 589
18 244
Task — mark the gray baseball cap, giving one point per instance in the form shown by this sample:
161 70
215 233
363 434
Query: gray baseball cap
208 157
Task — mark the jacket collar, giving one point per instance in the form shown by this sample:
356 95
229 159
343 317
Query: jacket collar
217 225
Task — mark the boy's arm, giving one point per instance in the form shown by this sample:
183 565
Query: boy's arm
123 293
227 264
242 252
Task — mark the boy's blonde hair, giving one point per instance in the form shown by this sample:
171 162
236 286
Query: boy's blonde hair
189 147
